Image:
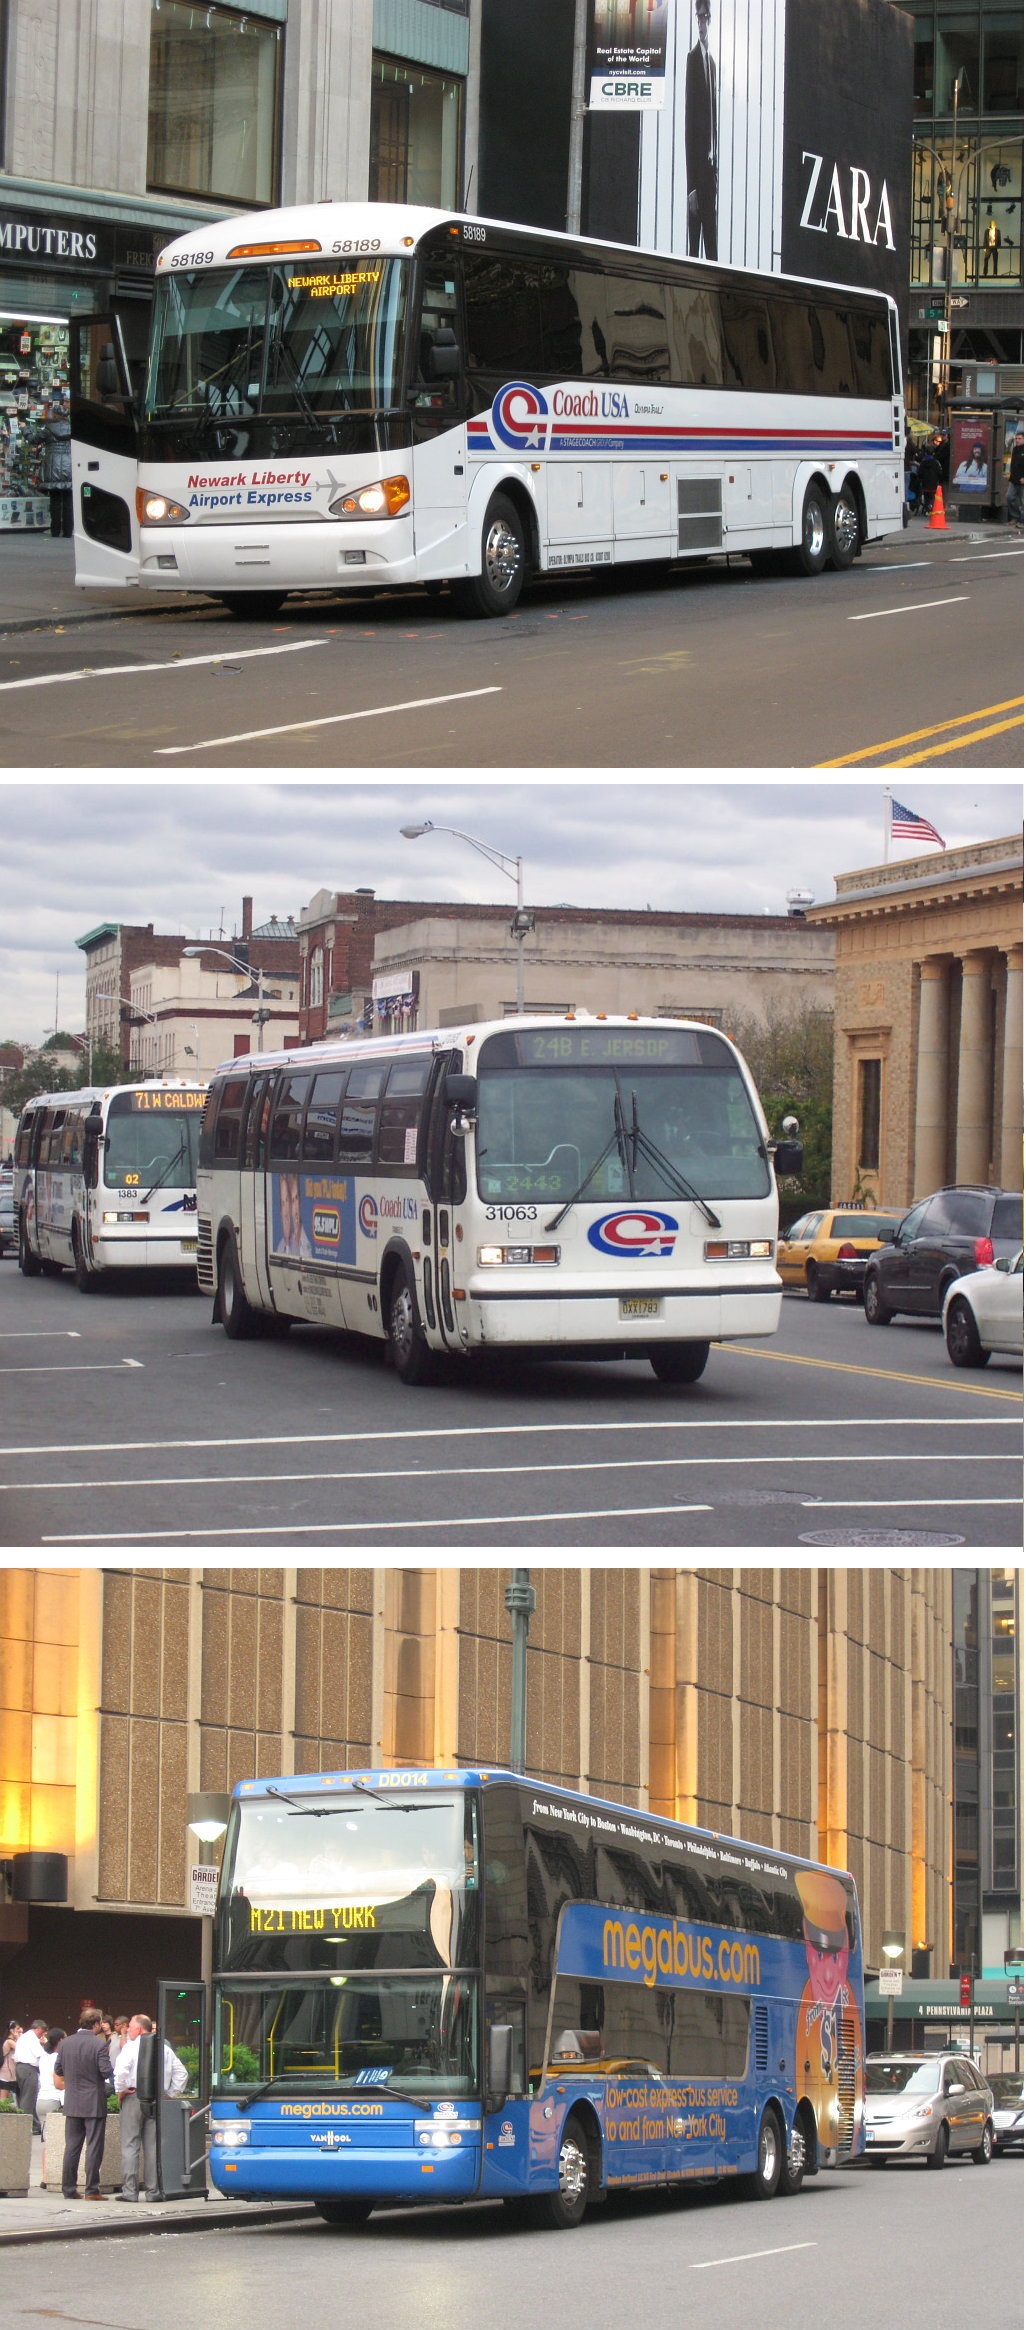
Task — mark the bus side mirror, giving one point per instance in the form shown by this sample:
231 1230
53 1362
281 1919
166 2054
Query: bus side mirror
460 1094
91 1147
500 2066
788 1158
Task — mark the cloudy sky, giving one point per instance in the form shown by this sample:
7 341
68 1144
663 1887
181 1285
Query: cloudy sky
183 853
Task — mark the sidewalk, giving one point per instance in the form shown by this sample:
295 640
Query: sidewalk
47 2216
37 589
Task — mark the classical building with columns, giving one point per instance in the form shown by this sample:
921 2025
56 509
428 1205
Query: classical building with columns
928 1023
805 1709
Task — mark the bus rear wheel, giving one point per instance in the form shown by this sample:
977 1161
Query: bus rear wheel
811 554
845 530
237 1316
769 2160
344 2214
679 1362
497 588
796 2158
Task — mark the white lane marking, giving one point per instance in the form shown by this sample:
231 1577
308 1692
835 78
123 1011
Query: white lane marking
897 1504
88 1367
441 1472
121 671
329 720
745 2256
976 557
43 1335
899 566
369 1528
407 1432
915 609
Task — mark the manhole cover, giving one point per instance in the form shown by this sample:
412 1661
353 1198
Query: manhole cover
878 1537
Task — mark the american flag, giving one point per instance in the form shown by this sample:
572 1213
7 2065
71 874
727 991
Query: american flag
907 825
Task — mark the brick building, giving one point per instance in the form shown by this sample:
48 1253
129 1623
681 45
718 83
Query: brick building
928 1022
807 1709
169 1012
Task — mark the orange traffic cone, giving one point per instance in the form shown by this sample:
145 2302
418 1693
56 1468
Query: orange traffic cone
938 514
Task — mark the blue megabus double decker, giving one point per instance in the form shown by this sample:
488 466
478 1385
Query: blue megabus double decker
457 1985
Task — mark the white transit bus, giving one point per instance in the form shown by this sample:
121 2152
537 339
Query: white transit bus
346 396
105 1179
567 1187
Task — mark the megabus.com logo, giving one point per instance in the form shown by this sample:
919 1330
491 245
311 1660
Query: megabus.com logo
663 1950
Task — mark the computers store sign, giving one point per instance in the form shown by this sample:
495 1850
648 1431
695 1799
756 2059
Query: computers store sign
28 236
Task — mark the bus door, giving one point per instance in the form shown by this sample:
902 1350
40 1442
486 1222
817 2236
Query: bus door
445 1181
253 1213
182 2024
437 414
104 445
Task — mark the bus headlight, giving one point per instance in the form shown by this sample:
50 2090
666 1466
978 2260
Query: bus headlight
384 499
487 1255
156 510
230 2132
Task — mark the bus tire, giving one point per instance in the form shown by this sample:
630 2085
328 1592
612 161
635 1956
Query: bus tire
564 2208
411 1357
799 2155
86 1280
238 1318
496 590
346 2215
765 2179
814 544
679 1362
258 605
845 530
29 1263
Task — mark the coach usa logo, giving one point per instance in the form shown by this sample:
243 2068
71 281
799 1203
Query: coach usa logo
634 1236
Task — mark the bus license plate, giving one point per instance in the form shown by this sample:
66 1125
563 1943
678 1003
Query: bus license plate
190 1245
640 1306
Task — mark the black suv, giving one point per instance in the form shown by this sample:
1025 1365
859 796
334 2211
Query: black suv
945 1237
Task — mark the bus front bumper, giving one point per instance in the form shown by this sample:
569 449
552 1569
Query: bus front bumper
507 1315
388 2173
318 555
110 1252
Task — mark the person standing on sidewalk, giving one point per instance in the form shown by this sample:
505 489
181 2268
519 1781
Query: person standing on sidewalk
47 2098
8 2075
138 2116
27 2052
82 2072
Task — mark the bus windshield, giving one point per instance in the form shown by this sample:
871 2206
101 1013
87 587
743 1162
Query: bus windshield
408 2035
302 341
664 1109
150 1145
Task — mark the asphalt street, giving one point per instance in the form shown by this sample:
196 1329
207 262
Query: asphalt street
900 2251
914 656
130 1421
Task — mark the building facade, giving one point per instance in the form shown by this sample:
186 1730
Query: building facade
806 1709
928 1022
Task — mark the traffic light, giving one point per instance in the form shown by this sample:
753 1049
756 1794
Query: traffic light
965 1990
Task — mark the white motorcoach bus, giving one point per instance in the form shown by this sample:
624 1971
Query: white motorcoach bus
105 1179
344 396
575 1186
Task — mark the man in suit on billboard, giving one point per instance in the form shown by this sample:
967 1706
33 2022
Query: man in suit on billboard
701 133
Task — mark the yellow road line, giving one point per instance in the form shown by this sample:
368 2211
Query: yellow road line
934 751
915 736
886 1374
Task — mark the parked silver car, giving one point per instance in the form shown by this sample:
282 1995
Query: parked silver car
925 2106
1008 2111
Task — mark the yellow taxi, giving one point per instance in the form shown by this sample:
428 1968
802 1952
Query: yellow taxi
827 1252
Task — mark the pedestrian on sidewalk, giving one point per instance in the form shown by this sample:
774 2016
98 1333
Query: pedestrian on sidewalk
1015 484
57 469
115 2044
8 2074
27 2051
138 2115
47 2098
84 2074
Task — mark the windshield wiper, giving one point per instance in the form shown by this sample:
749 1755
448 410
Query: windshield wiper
655 1157
319 1811
179 1154
617 1140
282 2079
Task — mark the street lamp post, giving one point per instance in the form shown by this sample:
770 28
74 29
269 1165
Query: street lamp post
207 1820
523 920
521 1600
248 971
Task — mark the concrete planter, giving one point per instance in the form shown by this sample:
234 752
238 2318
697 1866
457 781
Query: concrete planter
15 2154
110 2172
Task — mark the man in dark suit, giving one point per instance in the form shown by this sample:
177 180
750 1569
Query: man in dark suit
82 2067
701 139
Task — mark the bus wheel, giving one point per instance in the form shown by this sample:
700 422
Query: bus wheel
811 554
844 530
796 2158
679 1362
237 1316
258 605
565 2207
344 2213
497 588
412 1360
763 2184
85 1279
29 1263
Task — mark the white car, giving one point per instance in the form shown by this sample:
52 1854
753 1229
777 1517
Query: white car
983 1313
